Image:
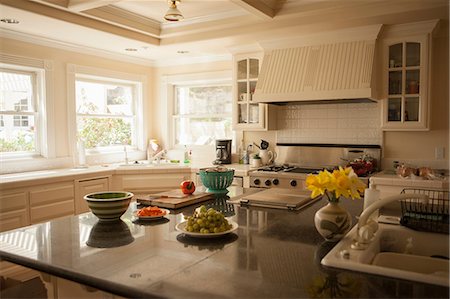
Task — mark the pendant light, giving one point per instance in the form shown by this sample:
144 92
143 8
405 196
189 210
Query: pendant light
173 14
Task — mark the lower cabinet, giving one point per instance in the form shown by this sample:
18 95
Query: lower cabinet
86 186
50 201
149 182
62 288
14 209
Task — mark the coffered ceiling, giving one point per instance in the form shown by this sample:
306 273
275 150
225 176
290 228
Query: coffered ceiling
210 30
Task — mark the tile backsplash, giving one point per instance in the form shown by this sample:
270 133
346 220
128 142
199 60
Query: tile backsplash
352 123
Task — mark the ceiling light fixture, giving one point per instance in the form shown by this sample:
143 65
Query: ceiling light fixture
10 21
173 14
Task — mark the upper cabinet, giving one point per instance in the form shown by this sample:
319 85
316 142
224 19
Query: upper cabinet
247 114
406 62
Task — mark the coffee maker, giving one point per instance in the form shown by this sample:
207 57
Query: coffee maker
223 151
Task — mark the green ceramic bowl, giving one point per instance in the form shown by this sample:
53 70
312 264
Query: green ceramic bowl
108 205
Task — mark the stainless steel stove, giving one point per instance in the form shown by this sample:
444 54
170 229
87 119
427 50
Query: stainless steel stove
295 162
280 176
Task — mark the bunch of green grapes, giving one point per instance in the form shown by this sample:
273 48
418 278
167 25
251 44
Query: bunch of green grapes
207 221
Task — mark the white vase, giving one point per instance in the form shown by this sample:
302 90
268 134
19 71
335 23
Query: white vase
332 221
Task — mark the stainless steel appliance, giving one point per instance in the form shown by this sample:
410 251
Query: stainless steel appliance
295 161
223 151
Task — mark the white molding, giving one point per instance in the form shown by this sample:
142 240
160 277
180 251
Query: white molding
28 38
203 19
363 33
409 29
47 42
191 60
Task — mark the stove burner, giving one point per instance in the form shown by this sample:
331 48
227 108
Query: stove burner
277 168
289 168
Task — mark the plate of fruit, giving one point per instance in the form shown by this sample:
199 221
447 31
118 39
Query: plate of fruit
206 223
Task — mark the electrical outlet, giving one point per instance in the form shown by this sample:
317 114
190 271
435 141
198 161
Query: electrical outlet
439 152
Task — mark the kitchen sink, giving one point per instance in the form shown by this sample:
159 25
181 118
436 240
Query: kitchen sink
151 165
396 251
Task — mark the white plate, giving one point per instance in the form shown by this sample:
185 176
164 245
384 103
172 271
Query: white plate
167 212
182 228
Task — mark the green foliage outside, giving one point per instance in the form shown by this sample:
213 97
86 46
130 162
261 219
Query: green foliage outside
23 142
105 132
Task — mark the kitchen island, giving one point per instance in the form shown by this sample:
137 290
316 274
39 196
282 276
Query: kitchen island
273 254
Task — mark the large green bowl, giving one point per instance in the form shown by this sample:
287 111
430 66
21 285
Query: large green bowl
108 205
217 181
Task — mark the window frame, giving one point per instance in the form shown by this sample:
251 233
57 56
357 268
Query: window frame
42 71
169 84
175 116
104 76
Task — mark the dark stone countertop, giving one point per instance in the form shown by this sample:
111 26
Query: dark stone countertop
273 254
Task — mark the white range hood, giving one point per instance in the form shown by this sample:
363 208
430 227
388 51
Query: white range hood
331 66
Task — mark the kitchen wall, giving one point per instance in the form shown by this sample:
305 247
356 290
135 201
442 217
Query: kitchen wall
296 123
417 148
357 123
60 59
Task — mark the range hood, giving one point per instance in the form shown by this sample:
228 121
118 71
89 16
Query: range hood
333 69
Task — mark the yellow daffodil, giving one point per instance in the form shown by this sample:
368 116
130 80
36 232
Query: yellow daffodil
341 182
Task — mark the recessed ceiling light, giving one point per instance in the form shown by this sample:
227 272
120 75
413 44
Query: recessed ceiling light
131 49
10 21
182 52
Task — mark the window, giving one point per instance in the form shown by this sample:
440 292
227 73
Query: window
18 111
105 113
202 113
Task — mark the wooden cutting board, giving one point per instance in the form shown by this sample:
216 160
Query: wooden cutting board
173 199
279 198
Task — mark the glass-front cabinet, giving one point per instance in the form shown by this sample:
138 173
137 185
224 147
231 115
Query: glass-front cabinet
406 78
247 114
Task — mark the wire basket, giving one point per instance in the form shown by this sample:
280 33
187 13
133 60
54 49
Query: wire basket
429 216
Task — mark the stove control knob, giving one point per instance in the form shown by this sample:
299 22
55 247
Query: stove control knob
293 183
275 182
267 182
256 182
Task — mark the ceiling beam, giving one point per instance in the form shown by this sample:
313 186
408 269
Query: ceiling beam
80 5
81 20
257 8
115 15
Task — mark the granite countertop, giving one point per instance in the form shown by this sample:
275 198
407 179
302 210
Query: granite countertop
13 180
273 254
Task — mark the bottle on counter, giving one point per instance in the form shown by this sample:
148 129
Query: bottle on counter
81 155
371 195
187 155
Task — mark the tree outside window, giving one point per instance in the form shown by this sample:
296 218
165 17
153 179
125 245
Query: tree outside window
105 114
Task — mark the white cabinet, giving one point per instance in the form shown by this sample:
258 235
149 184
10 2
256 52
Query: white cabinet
86 186
406 76
50 201
247 114
150 182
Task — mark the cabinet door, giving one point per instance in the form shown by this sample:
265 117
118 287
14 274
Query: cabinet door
406 79
14 210
247 114
83 187
51 201
157 182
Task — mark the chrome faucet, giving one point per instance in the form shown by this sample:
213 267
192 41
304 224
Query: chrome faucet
367 228
157 157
